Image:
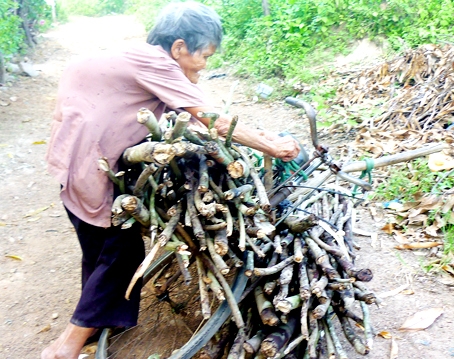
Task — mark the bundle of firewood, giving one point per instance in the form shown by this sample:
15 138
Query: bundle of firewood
207 200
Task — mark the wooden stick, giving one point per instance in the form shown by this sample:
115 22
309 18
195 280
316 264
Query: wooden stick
221 244
229 135
143 178
236 314
204 297
197 227
237 192
259 187
320 310
285 278
265 308
203 175
236 261
116 206
237 346
321 259
141 269
166 234
352 337
397 158
337 343
156 152
287 240
364 275
238 168
300 224
120 218
329 342
270 286
304 317
242 234
268 181
183 267
135 207
304 289
181 124
313 338
319 286
229 220
211 115
253 246
255 232
216 258
147 118
105 167
298 249
192 137
213 149
277 244
287 304
249 264
252 345
276 341
274 269
215 286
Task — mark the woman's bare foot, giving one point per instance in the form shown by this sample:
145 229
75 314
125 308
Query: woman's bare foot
69 343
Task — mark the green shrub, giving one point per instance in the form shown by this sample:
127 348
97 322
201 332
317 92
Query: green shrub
283 43
92 7
12 37
11 33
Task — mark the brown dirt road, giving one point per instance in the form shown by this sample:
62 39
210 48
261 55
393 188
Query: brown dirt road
39 291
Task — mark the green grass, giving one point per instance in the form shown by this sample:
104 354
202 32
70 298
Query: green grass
407 181
404 183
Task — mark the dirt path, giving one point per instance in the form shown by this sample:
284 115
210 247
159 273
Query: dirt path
39 292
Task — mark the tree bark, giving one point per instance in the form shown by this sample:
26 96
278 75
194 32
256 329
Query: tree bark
2 69
266 8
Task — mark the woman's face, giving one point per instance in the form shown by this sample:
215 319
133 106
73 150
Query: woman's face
191 64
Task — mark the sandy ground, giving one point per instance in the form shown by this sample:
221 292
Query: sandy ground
39 261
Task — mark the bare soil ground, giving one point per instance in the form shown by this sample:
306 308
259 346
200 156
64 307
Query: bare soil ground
40 289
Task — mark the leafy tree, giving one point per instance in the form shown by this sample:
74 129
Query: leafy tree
11 33
18 20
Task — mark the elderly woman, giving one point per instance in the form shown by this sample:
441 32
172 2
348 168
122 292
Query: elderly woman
97 103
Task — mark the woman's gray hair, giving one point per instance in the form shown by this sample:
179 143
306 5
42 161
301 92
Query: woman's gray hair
197 24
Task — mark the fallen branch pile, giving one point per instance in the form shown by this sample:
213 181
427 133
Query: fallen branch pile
414 95
206 199
416 88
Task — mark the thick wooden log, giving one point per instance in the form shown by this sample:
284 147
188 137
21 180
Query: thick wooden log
135 207
151 152
265 308
275 341
300 224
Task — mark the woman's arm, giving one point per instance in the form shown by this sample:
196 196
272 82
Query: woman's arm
285 148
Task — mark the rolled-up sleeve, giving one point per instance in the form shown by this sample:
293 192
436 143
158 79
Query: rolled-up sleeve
163 77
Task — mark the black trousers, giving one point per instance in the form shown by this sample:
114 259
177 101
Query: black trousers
110 256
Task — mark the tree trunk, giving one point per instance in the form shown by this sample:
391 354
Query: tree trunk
266 7
22 12
2 69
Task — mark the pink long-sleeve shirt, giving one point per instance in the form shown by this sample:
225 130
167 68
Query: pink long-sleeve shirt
95 116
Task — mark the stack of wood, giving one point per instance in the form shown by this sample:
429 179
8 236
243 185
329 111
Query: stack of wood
304 292
206 199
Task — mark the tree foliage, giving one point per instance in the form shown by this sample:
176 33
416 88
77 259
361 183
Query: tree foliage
281 43
17 19
93 7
